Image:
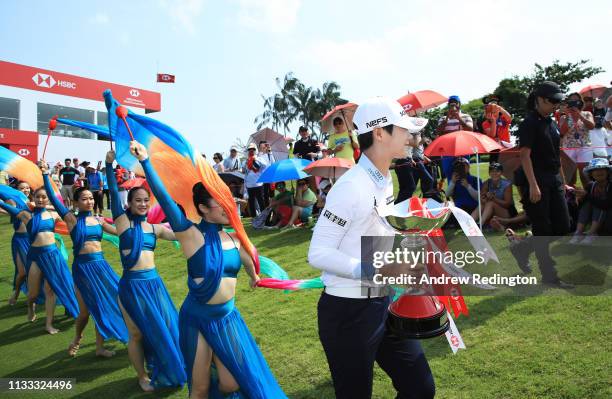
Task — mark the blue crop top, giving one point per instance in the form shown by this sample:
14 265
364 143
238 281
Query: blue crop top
93 233
45 225
231 263
126 240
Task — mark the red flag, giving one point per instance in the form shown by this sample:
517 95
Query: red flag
165 78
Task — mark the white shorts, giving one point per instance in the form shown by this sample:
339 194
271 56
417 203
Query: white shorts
580 155
66 192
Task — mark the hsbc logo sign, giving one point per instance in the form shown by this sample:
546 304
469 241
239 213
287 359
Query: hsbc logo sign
43 80
24 152
47 81
134 93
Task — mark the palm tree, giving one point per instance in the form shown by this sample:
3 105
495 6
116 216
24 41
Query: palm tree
298 102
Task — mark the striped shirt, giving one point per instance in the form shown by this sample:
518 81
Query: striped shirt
453 124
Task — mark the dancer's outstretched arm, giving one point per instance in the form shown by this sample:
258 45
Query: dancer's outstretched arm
20 214
190 237
176 218
63 212
113 188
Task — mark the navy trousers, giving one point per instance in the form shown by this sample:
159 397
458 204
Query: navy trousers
354 336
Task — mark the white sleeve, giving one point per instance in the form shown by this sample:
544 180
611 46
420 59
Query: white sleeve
333 224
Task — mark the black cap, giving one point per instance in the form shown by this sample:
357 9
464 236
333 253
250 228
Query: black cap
491 97
459 160
496 166
549 90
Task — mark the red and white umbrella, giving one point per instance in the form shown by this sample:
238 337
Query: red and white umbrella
421 100
277 141
331 168
345 111
593 91
460 143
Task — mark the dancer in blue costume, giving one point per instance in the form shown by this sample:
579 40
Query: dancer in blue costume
44 260
147 308
211 328
20 244
96 283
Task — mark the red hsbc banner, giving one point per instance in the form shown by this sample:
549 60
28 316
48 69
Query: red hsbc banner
22 142
27 77
165 78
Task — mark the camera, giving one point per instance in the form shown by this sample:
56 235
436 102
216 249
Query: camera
459 169
575 104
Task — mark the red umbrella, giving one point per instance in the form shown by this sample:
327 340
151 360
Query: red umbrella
136 182
461 142
593 91
345 111
421 100
329 167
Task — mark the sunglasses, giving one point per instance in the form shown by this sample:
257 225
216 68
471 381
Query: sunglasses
553 101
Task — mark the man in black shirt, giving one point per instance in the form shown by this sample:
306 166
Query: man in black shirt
67 176
541 180
306 147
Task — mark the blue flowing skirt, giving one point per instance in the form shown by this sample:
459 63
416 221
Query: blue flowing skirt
20 244
225 331
146 300
55 272
98 284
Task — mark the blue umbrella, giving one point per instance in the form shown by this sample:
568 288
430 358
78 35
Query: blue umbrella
287 169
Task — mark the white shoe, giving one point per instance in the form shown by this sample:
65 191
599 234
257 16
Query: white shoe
588 240
576 239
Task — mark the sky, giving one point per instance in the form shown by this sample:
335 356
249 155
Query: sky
226 54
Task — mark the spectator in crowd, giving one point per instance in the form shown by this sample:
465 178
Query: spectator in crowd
105 192
608 117
421 172
78 166
122 176
266 158
324 187
233 163
463 187
95 185
218 160
453 121
303 203
496 123
281 205
599 134
540 181
68 176
342 142
403 168
306 147
254 189
496 196
607 122
596 200
4 178
575 141
55 174
588 104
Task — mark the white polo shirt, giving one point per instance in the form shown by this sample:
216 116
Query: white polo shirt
348 215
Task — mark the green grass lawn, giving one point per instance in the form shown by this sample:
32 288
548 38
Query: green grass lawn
537 347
